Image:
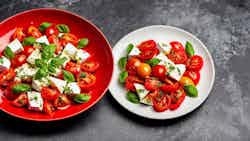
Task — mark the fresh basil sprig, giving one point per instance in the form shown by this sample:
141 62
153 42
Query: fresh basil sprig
8 53
20 88
44 25
63 28
68 76
83 42
81 98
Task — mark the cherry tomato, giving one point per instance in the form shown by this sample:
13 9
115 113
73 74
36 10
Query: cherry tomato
52 30
53 39
73 68
159 71
18 60
132 64
149 44
48 108
169 88
49 94
194 75
89 66
177 98
33 31
177 46
8 91
195 63
130 80
69 38
62 102
148 53
178 57
21 100
161 103
18 34
87 81
152 84
28 50
143 70
7 75
186 81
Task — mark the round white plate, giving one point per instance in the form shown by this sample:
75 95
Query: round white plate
162 33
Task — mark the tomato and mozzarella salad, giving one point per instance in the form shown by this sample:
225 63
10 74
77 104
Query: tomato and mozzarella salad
160 74
46 68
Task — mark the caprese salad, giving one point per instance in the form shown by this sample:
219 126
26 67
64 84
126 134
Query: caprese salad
45 68
160 74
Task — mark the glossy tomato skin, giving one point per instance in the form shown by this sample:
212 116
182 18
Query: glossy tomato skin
7 75
19 34
28 50
69 38
169 87
49 94
147 45
159 71
194 75
186 81
177 46
34 31
86 82
73 68
8 92
48 108
178 57
177 98
144 70
195 63
62 102
147 54
152 84
90 66
52 30
21 100
130 80
132 65
19 60
161 103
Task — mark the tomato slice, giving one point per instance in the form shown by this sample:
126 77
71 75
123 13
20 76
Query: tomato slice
178 57
18 60
48 108
86 81
161 103
69 38
194 75
177 46
18 34
21 100
73 68
8 91
169 88
159 71
177 98
149 44
132 65
33 31
152 84
49 94
28 50
62 102
89 66
195 63
130 80
7 75
147 54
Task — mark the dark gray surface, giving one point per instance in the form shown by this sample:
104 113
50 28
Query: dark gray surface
224 27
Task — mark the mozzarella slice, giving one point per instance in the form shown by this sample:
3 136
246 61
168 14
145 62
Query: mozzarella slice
4 63
33 56
38 84
57 83
140 90
15 46
43 39
73 88
25 72
177 72
134 51
35 101
164 47
148 100
70 50
82 55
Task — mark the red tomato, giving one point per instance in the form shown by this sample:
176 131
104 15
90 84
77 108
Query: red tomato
86 81
8 91
53 39
149 44
161 103
152 84
62 102
178 57
19 34
73 68
21 100
48 108
177 98
177 46
18 60
69 38
169 88
28 50
144 70
33 31
52 30
7 75
90 66
132 64
194 75
159 71
148 53
195 63
130 80
49 94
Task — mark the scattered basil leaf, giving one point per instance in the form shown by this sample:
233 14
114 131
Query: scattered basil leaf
44 25
42 72
57 61
132 97
129 48
68 76
123 76
40 62
189 49
83 75
1 60
9 53
28 41
123 62
83 42
63 28
153 62
48 51
52 69
67 90
20 88
191 90
81 98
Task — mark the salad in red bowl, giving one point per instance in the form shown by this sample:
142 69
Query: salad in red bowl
160 74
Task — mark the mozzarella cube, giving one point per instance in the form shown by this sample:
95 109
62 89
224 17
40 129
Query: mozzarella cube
177 72
25 72
162 57
164 47
4 63
15 46
73 88
36 54
140 90
38 84
147 100
43 39
81 55
35 101
70 50
135 51
57 83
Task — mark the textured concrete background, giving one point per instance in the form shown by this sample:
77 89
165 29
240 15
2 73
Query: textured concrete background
224 27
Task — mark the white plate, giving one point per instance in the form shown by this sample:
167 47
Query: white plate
162 33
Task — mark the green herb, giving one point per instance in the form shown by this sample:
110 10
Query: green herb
82 75
68 76
123 76
123 62
129 48
132 97
52 69
48 51
179 71
40 63
44 25
20 88
171 68
1 60
67 90
140 90
42 72
189 49
63 28
83 42
81 98
9 53
28 41
35 97
153 62
191 90
57 62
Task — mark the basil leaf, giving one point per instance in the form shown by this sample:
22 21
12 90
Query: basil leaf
191 90
48 51
123 62
132 97
129 48
51 69
1 60
40 62
63 28
83 42
20 88
83 75
44 25
42 72
57 61
123 76
9 53
28 41
189 49
81 98
153 62
68 76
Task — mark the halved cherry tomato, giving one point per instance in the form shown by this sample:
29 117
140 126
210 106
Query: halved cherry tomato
18 60
144 70
147 54
169 88
73 68
28 50
159 71
49 94
19 34
89 66
52 30
62 102
54 40
177 98
149 44
186 81
7 75
87 81
69 38
152 84
194 75
21 100
130 80
48 108
161 103
132 64
178 57
177 46
195 63
33 31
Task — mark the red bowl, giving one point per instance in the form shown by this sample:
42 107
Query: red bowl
98 47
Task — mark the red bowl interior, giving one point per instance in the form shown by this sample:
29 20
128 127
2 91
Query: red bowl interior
98 47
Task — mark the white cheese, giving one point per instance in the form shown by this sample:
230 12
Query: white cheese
15 46
148 100
38 84
60 34
4 63
43 39
81 55
57 83
33 56
25 72
134 51
177 72
35 101
140 90
67 59
73 88
70 50
164 47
